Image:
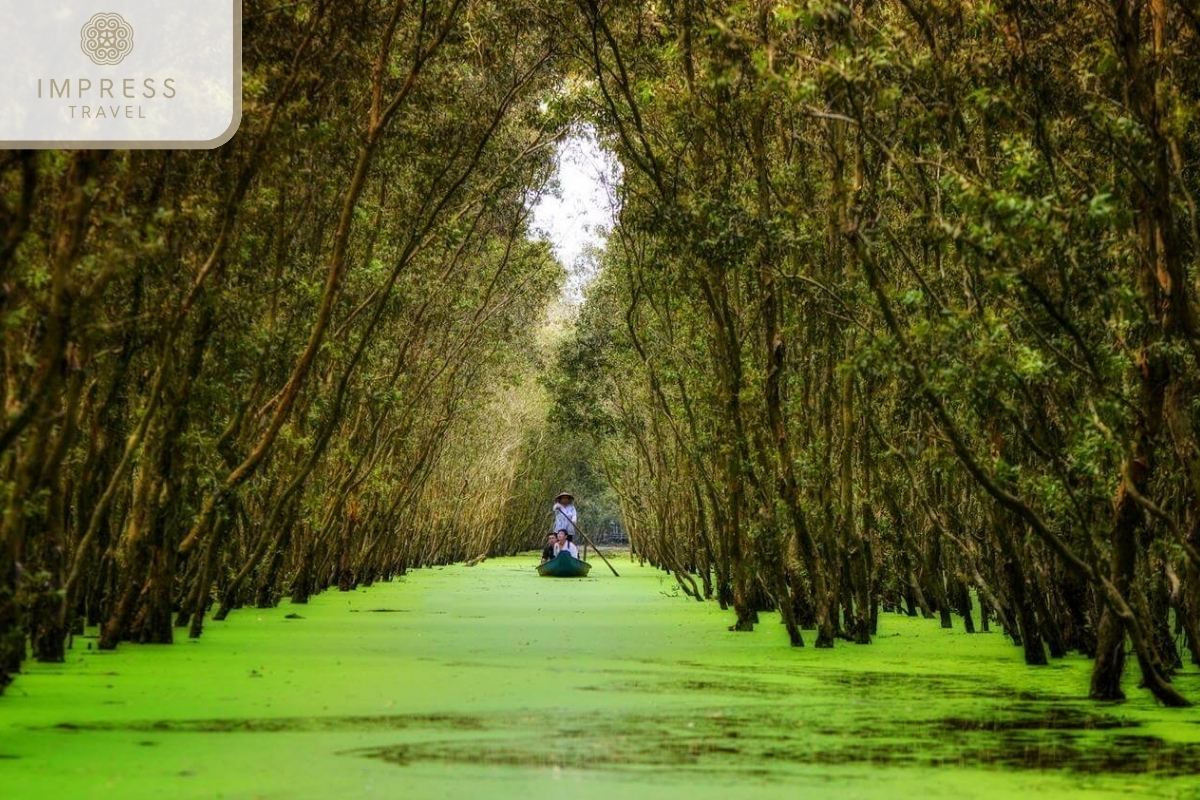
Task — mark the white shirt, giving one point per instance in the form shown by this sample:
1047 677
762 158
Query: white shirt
565 517
568 547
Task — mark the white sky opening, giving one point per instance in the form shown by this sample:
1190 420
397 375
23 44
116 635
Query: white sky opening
578 208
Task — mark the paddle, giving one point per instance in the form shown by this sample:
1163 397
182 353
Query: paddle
588 539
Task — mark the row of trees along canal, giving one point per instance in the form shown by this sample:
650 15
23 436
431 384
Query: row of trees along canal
898 310
293 362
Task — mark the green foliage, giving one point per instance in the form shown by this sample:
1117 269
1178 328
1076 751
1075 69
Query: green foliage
931 264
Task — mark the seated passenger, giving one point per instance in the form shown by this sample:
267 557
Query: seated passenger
565 544
548 550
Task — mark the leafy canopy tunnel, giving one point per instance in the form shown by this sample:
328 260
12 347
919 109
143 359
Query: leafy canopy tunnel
896 313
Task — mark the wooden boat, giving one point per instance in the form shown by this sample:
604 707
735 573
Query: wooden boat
564 565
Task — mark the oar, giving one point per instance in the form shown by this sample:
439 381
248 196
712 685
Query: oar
588 539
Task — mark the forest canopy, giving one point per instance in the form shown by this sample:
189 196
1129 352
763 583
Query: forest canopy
898 313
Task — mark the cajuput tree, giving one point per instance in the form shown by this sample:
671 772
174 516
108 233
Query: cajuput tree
902 303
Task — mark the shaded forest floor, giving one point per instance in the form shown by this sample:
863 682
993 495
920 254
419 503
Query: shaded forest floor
459 681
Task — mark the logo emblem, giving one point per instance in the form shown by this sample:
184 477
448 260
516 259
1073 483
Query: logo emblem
106 39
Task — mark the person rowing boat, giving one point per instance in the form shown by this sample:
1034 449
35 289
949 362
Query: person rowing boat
565 515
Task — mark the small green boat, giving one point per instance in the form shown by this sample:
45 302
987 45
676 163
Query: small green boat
564 565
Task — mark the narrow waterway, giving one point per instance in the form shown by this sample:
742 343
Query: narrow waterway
488 681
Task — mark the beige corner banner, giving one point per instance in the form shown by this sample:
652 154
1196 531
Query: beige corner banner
109 74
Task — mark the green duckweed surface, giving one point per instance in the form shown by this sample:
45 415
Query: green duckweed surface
490 681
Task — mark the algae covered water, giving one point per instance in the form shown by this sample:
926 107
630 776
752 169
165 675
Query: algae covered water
489 681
